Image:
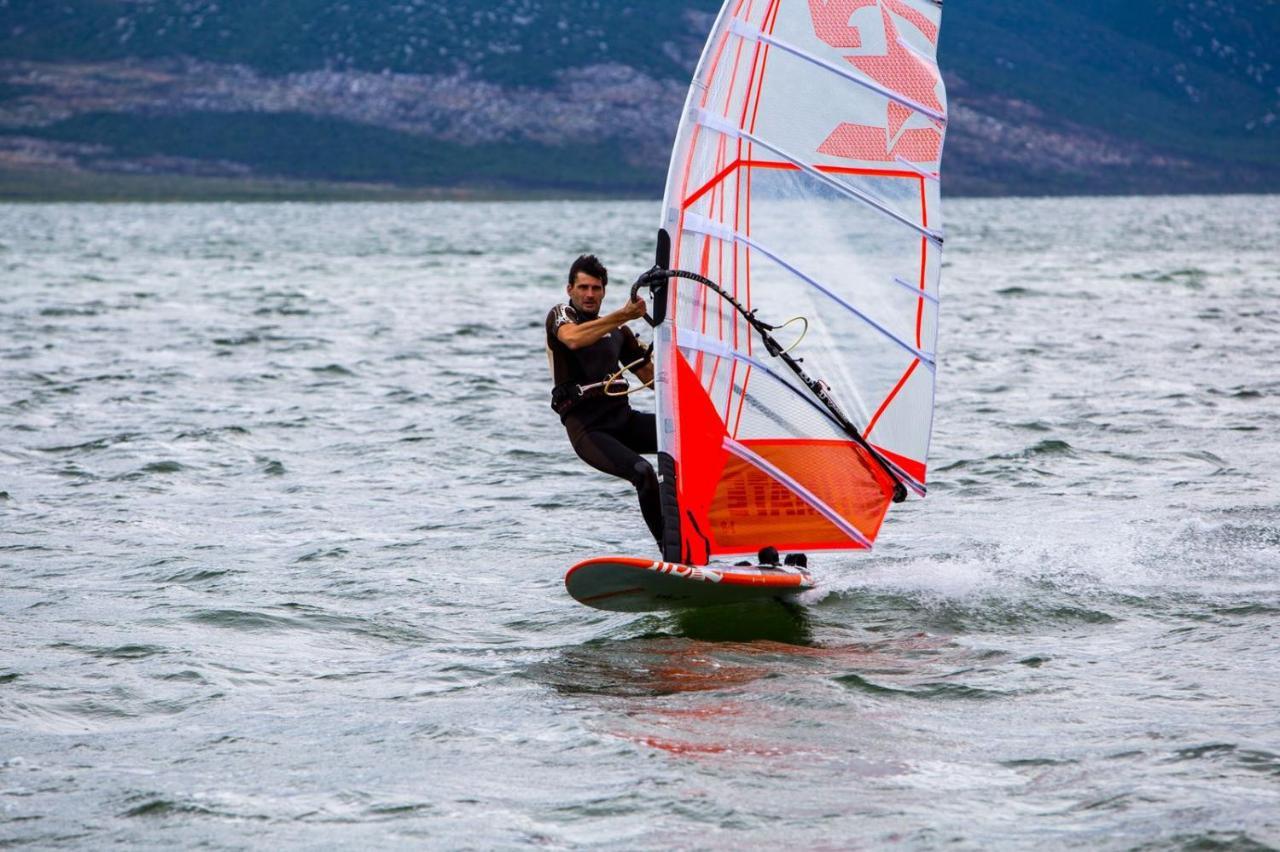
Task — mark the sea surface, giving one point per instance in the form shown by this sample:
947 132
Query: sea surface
284 516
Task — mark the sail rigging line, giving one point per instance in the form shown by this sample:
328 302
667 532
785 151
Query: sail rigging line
803 332
720 125
653 277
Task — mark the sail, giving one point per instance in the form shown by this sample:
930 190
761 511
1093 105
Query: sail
804 181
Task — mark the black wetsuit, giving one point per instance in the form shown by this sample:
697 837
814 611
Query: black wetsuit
604 430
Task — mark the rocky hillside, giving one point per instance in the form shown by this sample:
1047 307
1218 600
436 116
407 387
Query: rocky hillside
582 95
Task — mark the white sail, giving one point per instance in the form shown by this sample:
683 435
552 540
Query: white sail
804 181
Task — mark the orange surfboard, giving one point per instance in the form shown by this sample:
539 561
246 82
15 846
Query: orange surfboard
626 584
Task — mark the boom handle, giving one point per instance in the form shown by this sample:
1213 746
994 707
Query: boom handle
650 279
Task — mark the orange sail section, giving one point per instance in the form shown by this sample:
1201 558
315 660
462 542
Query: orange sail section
751 507
730 505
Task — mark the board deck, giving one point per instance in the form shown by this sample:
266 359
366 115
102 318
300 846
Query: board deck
627 584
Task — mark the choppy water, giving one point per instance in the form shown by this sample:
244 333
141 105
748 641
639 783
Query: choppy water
285 515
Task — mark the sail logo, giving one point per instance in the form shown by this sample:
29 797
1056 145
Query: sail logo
885 57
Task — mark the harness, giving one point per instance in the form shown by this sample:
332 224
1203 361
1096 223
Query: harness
567 395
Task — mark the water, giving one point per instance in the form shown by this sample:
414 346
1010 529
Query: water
285 516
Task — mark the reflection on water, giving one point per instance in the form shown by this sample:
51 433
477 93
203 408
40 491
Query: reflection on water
775 621
702 697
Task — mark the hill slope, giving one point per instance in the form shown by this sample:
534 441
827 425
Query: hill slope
582 95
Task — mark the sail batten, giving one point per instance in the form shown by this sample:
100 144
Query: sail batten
745 32
803 181
914 290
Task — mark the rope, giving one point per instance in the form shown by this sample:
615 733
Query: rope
617 377
803 332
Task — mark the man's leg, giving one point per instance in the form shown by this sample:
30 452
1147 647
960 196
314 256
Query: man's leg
640 433
610 455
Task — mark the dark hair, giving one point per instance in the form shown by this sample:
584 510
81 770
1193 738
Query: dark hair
591 265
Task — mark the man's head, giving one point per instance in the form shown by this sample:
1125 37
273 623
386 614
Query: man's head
587 280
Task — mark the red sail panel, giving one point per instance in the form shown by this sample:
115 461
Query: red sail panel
700 464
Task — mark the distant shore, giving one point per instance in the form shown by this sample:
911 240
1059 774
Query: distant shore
54 185
42 185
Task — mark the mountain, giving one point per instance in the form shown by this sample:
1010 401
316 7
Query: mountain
582 96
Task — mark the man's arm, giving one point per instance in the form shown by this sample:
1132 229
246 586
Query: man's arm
587 333
632 352
644 372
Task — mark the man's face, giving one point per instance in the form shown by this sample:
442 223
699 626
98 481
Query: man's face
586 293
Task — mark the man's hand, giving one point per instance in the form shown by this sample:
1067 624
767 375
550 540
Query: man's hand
633 310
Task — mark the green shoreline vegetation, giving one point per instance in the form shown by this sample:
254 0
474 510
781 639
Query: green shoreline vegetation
45 185
295 156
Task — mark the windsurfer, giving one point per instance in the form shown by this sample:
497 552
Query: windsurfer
587 352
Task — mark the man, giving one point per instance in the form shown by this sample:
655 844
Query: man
585 349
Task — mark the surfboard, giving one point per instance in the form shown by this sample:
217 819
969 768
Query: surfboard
627 584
